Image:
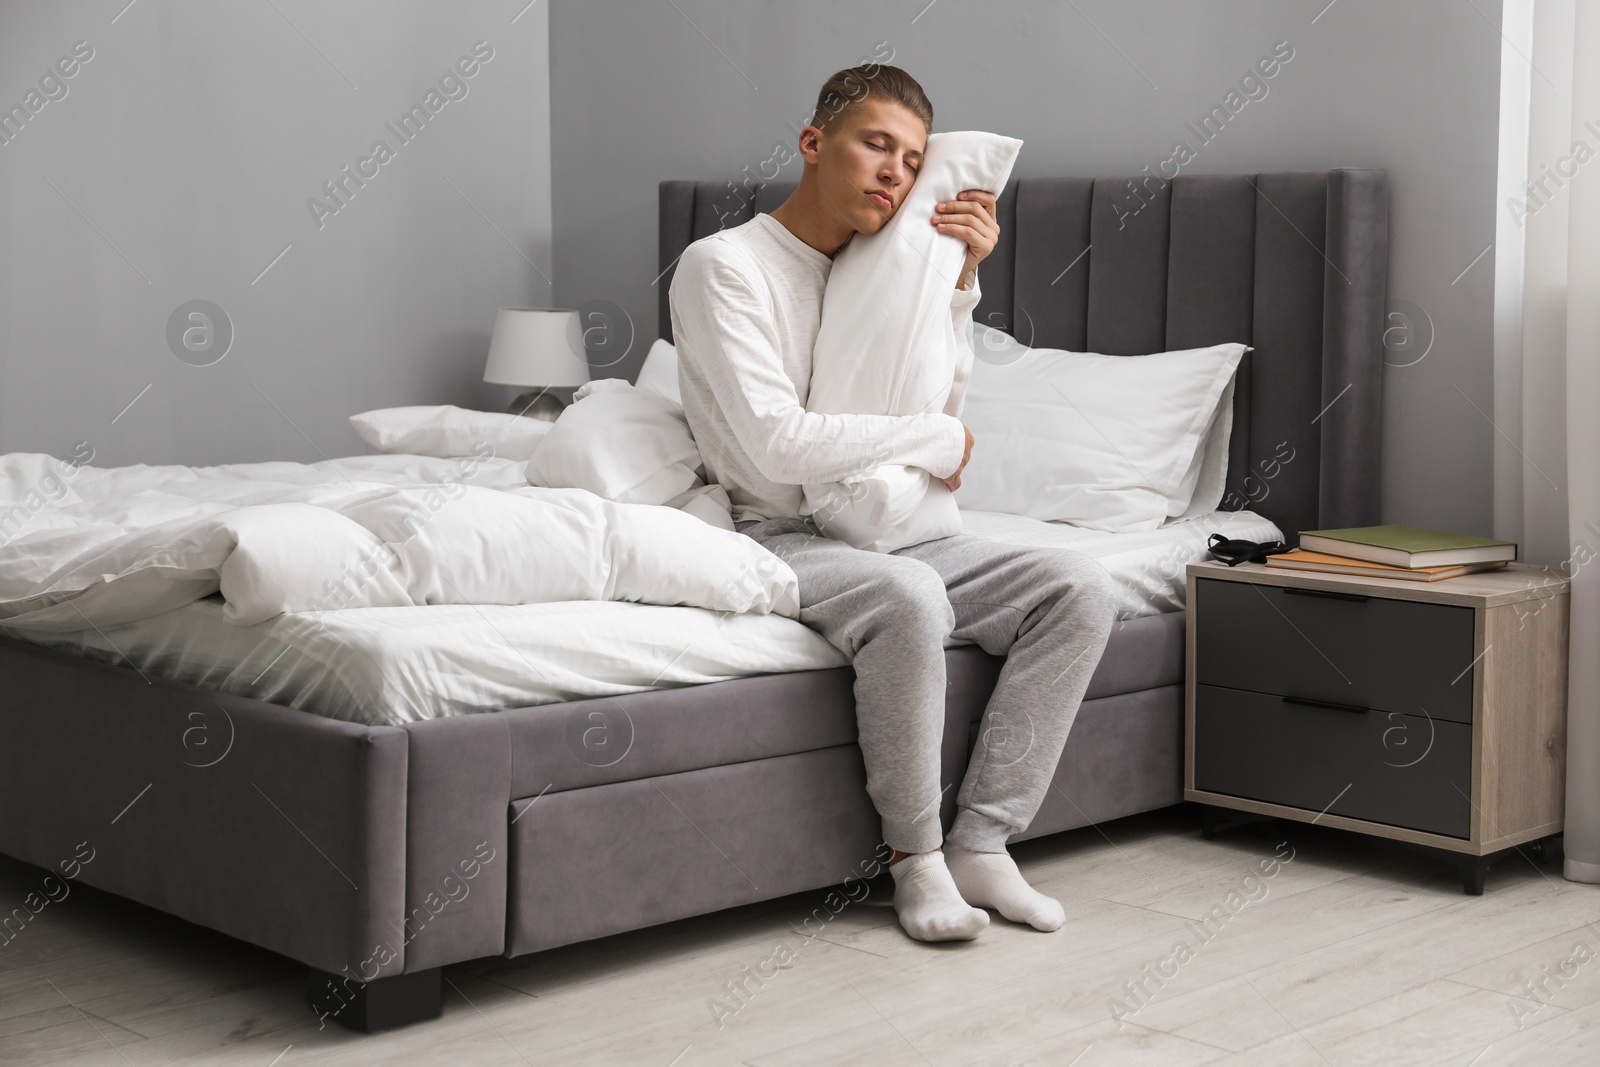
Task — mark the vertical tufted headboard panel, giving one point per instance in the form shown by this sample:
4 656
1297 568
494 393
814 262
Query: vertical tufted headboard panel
1292 263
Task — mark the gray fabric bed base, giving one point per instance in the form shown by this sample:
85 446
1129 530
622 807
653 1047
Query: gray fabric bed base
277 827
784 825
376 851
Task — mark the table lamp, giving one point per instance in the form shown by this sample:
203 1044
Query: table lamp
539 349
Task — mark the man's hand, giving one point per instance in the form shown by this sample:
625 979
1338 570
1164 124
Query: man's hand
954 481
970 217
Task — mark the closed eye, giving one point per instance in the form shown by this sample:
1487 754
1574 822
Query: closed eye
915 167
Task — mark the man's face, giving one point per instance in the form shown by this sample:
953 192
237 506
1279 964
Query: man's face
868 161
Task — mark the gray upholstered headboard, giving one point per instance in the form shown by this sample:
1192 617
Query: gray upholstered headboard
1293 263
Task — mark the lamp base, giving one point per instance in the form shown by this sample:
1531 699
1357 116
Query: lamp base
537 404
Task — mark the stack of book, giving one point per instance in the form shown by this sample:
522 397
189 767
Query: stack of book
1396 552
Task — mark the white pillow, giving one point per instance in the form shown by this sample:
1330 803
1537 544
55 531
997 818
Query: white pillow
1114 443
887 345
626 444
659 373
1204 485
445 431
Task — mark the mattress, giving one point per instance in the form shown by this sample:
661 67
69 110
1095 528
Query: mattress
386 666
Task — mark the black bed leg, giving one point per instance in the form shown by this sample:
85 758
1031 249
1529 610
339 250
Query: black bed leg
381 1004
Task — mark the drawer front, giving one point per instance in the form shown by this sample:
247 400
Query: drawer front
1372 652
1401 770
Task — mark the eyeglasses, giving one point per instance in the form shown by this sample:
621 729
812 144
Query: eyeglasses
1236 552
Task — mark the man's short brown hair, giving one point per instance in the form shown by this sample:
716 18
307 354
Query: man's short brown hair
846 90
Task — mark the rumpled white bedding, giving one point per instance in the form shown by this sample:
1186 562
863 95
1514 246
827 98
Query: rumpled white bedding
87 547
1149 565
386 666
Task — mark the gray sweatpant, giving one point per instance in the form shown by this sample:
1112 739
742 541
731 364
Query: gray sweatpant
1049 611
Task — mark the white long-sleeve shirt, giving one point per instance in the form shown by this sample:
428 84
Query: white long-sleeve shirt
746 303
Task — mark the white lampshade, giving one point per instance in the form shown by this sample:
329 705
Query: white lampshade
536 347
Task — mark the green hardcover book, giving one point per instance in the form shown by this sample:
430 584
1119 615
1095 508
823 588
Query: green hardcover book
1407 546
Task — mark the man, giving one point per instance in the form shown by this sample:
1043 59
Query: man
746 304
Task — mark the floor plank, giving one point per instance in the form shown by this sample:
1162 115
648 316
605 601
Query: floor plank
1346 951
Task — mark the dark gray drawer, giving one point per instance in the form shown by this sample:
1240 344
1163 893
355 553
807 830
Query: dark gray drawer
1369 652
1401 770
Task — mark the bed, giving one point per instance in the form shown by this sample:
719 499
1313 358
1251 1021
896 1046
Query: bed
373 831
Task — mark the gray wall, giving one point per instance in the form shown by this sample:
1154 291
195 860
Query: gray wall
704 88
179 165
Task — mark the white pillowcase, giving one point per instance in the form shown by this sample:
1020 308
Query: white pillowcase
445 431
1114 443
659 372
630 445
887 346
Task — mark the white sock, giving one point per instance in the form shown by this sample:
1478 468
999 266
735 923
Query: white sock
928 903
991 880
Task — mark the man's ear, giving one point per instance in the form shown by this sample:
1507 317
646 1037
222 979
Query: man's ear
810 139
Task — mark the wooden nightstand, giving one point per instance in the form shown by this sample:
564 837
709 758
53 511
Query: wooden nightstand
1432 713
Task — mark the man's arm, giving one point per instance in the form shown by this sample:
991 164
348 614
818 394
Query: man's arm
726 328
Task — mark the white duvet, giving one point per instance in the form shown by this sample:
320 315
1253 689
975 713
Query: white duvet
84 547
386 666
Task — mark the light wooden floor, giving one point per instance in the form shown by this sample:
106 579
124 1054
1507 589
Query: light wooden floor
1354 952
